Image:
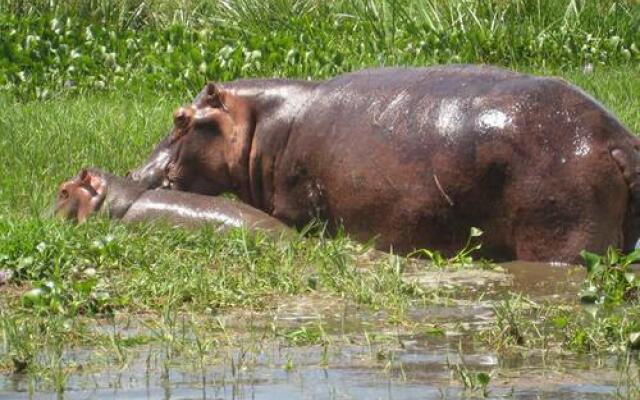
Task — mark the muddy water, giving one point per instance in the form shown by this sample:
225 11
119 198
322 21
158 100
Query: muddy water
417 372
362 357
545 281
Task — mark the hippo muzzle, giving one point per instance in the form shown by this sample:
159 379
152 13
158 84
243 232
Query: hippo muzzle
153 174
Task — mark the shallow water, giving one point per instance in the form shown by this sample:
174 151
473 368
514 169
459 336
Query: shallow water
363 358
417 372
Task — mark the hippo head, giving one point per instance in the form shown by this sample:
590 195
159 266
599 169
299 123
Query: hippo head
207 150
81 196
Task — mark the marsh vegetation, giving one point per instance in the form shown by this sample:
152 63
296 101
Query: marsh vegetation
149 310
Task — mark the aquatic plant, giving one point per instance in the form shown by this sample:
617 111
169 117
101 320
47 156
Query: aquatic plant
474 382
464 257
109 73
53 47
610 279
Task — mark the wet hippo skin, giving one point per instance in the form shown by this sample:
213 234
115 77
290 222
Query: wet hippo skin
415 158
93 191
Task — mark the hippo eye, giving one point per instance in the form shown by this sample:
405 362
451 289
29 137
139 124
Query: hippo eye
211 130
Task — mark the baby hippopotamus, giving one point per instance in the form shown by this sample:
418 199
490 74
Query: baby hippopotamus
95 191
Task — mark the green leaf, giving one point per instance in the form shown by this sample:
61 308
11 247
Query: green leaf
32 297
633 257
434 331
630 277
25 262
634 340
561 322
589 294
483 379
475 232
591 260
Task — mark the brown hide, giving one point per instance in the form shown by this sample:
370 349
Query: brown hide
416 157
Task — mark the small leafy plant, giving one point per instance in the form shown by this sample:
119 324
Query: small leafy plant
461 258
610 279
474 382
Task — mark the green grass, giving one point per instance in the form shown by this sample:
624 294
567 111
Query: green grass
50 141
122 84
63 274
62 271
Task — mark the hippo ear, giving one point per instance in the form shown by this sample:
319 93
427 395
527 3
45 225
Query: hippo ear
183 117
212 96
85 177
93 182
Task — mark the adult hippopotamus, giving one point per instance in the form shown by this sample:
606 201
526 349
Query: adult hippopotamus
95 191
415 157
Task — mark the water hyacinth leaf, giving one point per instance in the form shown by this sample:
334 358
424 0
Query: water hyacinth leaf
84 287
475 232
483 379
591 260
632 257
25 262
630 277
589 294
32 297
634 340
561 321
434 331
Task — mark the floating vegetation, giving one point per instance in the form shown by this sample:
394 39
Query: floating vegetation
51 47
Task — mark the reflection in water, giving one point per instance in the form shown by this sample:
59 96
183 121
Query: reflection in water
419 373
540 280
403 366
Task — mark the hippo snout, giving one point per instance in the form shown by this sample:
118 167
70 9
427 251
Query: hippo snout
148 179
153 174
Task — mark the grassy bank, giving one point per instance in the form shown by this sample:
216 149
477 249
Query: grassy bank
53 46
93 83
63 273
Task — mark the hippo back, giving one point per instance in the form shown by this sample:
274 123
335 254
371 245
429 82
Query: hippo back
421 155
